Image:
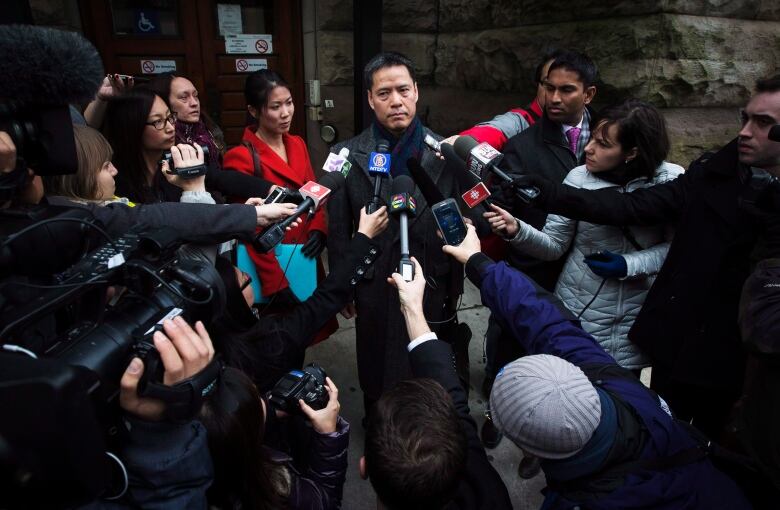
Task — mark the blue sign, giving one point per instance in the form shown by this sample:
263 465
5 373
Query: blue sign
379 163
147 21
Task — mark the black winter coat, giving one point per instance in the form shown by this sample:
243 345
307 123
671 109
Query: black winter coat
688 324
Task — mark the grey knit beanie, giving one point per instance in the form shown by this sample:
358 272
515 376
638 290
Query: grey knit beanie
546 405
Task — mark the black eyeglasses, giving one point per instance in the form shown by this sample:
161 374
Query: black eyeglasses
159 124
247 282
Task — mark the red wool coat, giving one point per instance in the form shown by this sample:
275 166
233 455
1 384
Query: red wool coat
293 175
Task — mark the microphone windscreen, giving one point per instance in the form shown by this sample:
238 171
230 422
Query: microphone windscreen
45 66
332 180
424 182
382 145
402 184
463 146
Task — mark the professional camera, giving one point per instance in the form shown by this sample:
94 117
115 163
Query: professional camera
307 385
61 415
189 172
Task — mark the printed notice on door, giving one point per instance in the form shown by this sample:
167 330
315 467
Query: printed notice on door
249 43
229 16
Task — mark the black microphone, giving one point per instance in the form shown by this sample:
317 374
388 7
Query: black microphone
41 72
316 194
467 181
379 167
482 156
402 203
424 182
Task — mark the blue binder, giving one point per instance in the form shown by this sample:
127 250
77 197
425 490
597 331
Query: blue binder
300 271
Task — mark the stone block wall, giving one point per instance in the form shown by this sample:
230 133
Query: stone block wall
697 60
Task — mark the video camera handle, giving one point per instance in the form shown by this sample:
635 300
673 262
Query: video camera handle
184 399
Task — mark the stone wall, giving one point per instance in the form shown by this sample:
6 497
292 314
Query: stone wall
695 59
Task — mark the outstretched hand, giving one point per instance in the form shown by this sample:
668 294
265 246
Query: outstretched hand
470 245
502 222
371 225
410 293
185 156
271 213
113 85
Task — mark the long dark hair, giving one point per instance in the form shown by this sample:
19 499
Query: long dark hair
259 84
126 117
245 477
639 125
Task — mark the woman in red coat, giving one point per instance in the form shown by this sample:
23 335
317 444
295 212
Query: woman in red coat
284 160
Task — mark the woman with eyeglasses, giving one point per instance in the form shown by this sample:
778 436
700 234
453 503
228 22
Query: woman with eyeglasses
140 127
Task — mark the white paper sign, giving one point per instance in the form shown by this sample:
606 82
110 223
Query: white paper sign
157 66
249 43
229 16
250 65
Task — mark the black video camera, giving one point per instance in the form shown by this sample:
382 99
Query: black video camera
189 172
307 385
83 342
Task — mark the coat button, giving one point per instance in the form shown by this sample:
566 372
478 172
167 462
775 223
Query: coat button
367 260
360 270
672 298
372 251
353 281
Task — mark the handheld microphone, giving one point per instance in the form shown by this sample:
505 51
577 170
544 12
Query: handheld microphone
482 156
379 167
474 190
315 195
403 204
338 162
424 182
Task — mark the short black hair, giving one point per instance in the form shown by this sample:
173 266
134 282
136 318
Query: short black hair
550 55
383 60
579 63
771 84
415 446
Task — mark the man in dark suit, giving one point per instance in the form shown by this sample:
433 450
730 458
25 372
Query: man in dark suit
688 324
422 449
381 336
554 145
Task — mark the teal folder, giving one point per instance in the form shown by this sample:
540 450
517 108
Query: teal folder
300 271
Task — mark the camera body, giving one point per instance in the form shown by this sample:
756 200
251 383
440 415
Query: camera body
189 172
307 385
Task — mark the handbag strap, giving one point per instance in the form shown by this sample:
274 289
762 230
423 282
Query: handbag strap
255 157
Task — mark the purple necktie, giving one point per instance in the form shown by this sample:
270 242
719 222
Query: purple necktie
573 135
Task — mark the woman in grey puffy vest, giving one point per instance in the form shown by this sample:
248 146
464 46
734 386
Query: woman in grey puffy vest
608 269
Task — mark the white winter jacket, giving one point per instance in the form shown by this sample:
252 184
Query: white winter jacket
614 310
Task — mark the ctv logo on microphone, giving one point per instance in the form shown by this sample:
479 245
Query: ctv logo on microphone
379 163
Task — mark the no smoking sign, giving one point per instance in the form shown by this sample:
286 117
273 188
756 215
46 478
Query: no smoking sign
249 65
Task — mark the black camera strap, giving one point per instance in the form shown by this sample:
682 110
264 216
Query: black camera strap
184 399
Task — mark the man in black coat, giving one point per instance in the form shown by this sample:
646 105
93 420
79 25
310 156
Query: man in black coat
422 449
380 333
554 145
688 324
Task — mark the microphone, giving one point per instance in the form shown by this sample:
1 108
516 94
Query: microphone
475 190
424 182
47 66
402 203
41 72
338 162
379 167
482 156
315 195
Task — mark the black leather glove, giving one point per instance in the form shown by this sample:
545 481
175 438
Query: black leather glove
314 245
546 190
284 297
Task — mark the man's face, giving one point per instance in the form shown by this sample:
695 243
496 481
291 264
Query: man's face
393 97
566 96
755 148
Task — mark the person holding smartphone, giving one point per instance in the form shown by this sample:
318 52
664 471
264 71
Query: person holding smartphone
608 270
